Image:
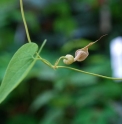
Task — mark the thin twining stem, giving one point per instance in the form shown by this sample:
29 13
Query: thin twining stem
102 76
56 63
24 21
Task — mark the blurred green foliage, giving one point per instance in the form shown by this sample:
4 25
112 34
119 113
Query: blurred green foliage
61 96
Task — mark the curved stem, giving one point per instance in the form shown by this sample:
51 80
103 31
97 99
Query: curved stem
25 24
57 61
102 76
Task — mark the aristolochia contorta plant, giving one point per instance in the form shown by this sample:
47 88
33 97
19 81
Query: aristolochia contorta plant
26 56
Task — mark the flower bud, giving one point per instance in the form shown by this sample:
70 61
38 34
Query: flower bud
81 54
69 59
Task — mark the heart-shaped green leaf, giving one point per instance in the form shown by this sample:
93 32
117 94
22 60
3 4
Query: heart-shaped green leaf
18 68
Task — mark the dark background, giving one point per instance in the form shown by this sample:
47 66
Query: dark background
62 96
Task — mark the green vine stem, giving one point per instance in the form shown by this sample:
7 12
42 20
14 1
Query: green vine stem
24 21
45 61
89 73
